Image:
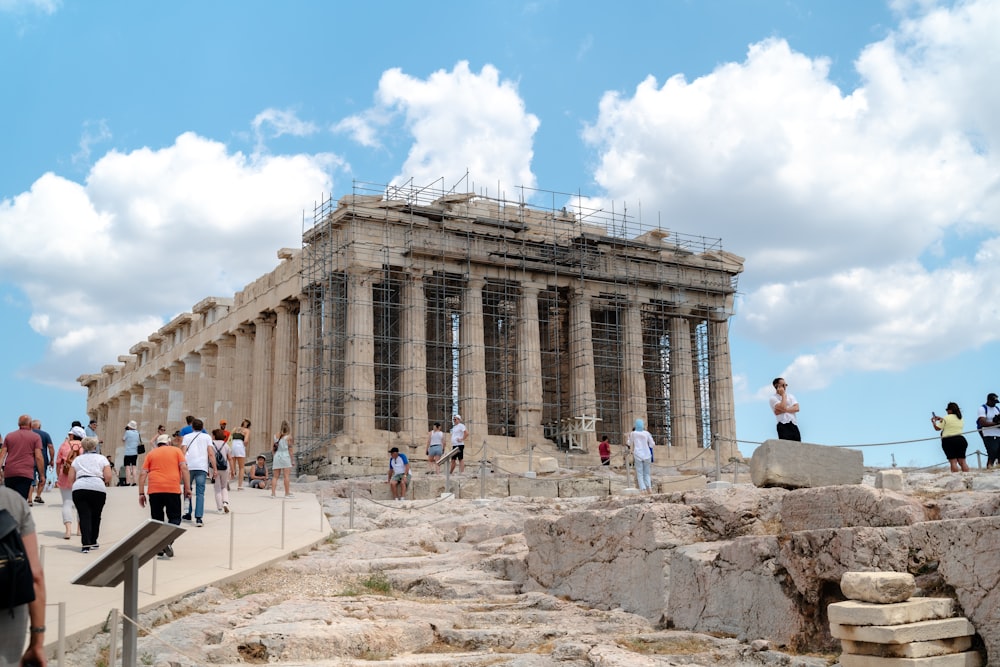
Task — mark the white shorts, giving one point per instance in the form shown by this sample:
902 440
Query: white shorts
239 449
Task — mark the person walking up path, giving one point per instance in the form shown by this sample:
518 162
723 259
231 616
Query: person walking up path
21 454
641 442
197 445
166 471
223 460
91 475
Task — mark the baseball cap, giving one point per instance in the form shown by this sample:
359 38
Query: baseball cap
992 397
394 449
162 440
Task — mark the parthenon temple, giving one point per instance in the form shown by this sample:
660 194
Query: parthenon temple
545 328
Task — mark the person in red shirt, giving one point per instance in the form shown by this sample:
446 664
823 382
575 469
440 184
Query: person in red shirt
604 450
22 456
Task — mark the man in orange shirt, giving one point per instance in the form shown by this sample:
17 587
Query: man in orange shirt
166 470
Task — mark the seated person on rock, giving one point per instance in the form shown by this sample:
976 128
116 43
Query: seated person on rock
399 473
259 478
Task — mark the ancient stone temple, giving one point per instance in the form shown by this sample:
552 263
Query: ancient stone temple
544 328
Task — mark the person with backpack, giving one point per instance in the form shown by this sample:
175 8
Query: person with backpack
988 423
223 464
68 451
23 584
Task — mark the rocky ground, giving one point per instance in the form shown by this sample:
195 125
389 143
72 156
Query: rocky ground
423 583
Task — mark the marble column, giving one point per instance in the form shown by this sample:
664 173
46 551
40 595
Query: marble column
529 365
136 398
208 387
472 362
175 396
286 343
413 377
306 376
161 401
359 356
192 386
225 363
720 385
683 420
147 422
260 390
583 393
633 377
242 373
111 434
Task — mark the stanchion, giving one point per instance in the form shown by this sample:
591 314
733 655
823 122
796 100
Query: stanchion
61 641
113 638
350 521
482 474
232 539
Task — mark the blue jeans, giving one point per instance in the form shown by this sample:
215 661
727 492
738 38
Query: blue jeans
642 473
198 485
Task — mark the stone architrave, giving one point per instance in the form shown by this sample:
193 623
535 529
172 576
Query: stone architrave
472 361
795 465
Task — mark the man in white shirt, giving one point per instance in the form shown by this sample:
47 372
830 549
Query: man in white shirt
786 410
988 423
458 435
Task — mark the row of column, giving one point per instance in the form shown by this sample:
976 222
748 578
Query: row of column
359 363
247 373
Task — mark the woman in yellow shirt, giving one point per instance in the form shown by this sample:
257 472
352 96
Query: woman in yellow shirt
953 442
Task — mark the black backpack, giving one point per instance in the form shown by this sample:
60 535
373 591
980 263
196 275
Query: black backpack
220 460
16 580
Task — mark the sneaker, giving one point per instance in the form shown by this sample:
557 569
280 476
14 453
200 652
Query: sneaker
289 495
95 547
186 517
85 550
199 523
168 551
225 507
38 499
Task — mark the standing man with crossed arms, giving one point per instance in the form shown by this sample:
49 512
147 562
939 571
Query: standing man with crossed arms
786 410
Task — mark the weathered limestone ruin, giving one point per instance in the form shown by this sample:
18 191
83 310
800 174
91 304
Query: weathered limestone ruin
543 328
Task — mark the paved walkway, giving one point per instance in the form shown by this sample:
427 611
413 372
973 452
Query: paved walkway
227 547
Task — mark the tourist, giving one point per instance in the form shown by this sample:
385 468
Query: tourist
953 442
166 470
641 443
225 431
68 451
458 436
188 425
987 421
223 459
48 455
91 432
197 447
21 454
239 439
131 442
786 410
281 461
604 451
90 474
24 619
435 446
399 474
259 478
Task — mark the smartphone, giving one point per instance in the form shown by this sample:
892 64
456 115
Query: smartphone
933 415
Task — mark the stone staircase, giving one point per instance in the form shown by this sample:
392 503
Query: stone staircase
882 625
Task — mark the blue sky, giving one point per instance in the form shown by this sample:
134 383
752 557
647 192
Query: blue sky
157 153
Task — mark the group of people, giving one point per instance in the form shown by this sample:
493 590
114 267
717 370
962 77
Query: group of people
399 477
951 426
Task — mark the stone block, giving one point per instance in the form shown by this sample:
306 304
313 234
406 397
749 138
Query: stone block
967 659
850 505
879 587
673 483
518 464
913 610
425 487
533 488
796 465
581 487
921 631
889 479
469 487
911 650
